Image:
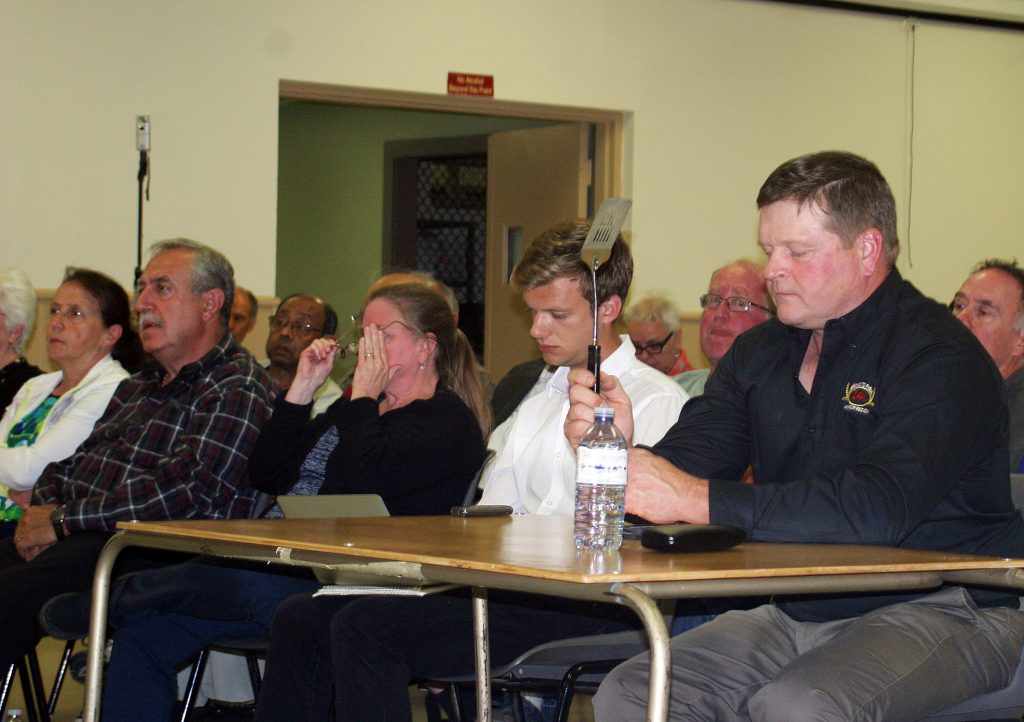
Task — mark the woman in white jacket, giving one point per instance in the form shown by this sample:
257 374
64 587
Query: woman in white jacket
89 337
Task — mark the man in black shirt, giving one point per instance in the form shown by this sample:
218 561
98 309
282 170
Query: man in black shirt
870 416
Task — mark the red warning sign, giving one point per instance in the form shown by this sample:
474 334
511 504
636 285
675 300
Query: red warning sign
466 84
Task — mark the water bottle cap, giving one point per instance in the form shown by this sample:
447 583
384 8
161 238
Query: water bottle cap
604 411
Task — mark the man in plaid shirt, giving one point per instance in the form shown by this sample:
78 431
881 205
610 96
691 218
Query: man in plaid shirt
172 444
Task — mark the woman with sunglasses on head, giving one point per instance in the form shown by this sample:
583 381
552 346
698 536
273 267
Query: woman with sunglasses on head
412 431
89 337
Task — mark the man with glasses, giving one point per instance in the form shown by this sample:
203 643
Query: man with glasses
655 328
737 300
298 320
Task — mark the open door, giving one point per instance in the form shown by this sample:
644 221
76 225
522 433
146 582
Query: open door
535 178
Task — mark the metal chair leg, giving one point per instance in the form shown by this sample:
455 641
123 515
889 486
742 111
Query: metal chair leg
252 662
193 684
453 695
38 691
27 670
5 691
568 687
58 681
26 691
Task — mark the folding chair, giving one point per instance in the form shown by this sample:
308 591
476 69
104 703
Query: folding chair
38 707
566 666
252 648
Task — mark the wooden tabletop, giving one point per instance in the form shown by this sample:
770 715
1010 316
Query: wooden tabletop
542 547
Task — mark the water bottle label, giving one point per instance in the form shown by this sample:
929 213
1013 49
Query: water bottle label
601 466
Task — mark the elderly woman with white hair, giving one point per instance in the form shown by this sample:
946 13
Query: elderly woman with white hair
654 325
17 316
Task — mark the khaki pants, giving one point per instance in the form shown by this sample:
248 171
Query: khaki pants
901 662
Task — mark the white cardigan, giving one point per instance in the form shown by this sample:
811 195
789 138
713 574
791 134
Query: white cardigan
68 424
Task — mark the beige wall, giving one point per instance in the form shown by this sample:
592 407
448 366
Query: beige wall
717 92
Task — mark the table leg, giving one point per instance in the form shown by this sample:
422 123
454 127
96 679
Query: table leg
483 655
657 635
98 626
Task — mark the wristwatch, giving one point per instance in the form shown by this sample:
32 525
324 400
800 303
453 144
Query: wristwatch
57 519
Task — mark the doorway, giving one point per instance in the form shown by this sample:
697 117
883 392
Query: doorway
333 222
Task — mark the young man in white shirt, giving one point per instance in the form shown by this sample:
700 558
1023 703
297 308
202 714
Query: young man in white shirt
534 467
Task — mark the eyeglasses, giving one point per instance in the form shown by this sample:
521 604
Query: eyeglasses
298 327
71 313
383 329
736 303
653 348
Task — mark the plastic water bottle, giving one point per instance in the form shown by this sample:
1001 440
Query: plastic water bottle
600 484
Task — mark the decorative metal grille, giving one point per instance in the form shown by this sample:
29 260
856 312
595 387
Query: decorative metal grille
451 228
452 222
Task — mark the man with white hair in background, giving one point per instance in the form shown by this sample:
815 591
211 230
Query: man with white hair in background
655 328
17 316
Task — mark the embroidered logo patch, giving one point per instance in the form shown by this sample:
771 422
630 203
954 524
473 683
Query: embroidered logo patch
860 397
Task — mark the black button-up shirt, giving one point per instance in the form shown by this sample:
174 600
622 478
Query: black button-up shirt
900 442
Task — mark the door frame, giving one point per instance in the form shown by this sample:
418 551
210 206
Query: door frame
608 124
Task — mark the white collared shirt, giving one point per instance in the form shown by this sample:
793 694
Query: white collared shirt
534 468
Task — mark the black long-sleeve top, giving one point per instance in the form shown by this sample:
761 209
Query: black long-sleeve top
900 442
420 458
12 376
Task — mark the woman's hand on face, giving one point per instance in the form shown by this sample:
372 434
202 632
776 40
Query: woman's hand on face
315 364
372 374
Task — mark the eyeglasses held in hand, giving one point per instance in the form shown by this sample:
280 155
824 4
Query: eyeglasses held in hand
736 303
653 348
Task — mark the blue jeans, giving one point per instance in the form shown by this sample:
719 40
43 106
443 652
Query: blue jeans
164 617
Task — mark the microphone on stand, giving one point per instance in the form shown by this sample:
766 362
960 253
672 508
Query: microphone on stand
142 144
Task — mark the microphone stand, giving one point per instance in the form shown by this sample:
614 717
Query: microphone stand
142 144
143 174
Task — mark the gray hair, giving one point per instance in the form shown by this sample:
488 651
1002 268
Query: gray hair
18 303
1014 271
210 270
654 307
